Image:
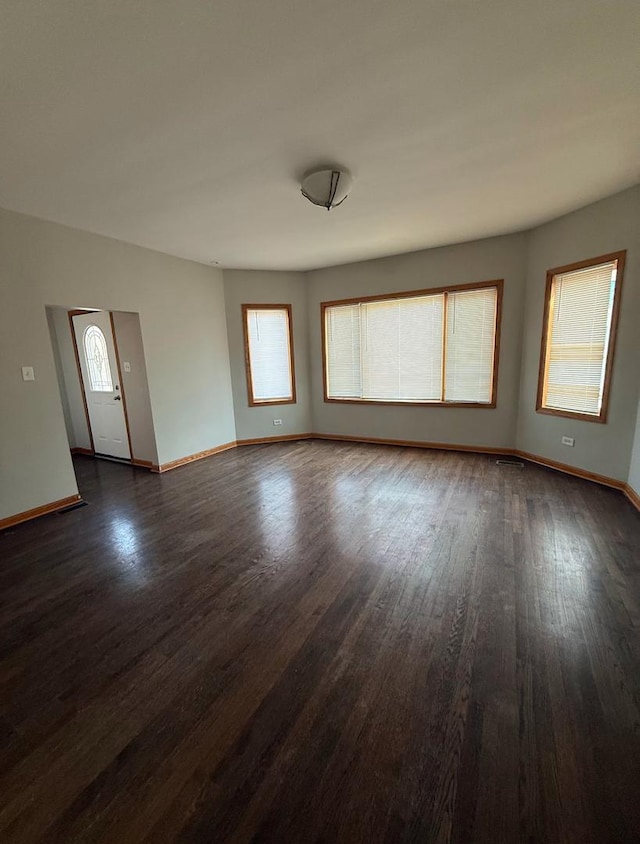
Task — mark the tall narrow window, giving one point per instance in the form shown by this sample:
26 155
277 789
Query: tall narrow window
269 354
342 349
580 320
95 350
427 347
470 346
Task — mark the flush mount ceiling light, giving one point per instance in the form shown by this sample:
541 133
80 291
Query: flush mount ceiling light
327 186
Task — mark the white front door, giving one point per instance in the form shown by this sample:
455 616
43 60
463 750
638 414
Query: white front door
105 404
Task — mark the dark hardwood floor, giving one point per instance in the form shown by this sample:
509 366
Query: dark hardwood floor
323 642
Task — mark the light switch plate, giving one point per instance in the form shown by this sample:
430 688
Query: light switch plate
28 373
126 366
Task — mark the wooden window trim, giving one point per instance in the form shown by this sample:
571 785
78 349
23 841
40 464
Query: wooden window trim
601 418
411 294
247 356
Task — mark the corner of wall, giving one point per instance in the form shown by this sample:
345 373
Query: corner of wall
634 465
606 226
268 287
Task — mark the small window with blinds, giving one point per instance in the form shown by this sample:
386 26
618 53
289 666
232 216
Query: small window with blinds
269 354
580 320
436 347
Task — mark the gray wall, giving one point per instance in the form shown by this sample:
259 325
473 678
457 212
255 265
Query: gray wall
252 287
483 260
70 389
182 315
135 385
54 318
606 226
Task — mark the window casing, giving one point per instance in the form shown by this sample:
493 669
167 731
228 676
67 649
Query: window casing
268 343
425 347
581 308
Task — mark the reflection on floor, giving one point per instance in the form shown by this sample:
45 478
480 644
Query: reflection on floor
323 642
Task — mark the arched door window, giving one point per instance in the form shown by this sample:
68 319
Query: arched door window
95 350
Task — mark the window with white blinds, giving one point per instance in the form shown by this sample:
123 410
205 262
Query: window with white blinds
471 321
578 336
269 356
432 348
342 351
401 356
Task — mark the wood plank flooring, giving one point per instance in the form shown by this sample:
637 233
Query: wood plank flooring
323 642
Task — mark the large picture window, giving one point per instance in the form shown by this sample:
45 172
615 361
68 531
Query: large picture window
580 320
424 347
269 354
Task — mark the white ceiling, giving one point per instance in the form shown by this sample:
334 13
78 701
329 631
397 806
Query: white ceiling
185 125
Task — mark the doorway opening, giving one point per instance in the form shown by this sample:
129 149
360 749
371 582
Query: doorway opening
99 371
102 379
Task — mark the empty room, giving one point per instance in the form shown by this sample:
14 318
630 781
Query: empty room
320 422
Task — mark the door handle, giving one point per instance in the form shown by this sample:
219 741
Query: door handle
117 398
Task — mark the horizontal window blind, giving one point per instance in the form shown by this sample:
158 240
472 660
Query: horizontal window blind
580 310
269 354
342 328
403 349
471 320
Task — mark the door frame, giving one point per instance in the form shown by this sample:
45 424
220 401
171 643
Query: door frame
78 312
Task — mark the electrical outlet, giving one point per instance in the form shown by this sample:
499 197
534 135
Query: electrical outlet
277 421
28 374
126 366
568 441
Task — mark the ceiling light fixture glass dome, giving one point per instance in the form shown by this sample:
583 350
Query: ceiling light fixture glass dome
327 187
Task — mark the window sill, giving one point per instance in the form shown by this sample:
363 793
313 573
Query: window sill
271 402
484 405
572 414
